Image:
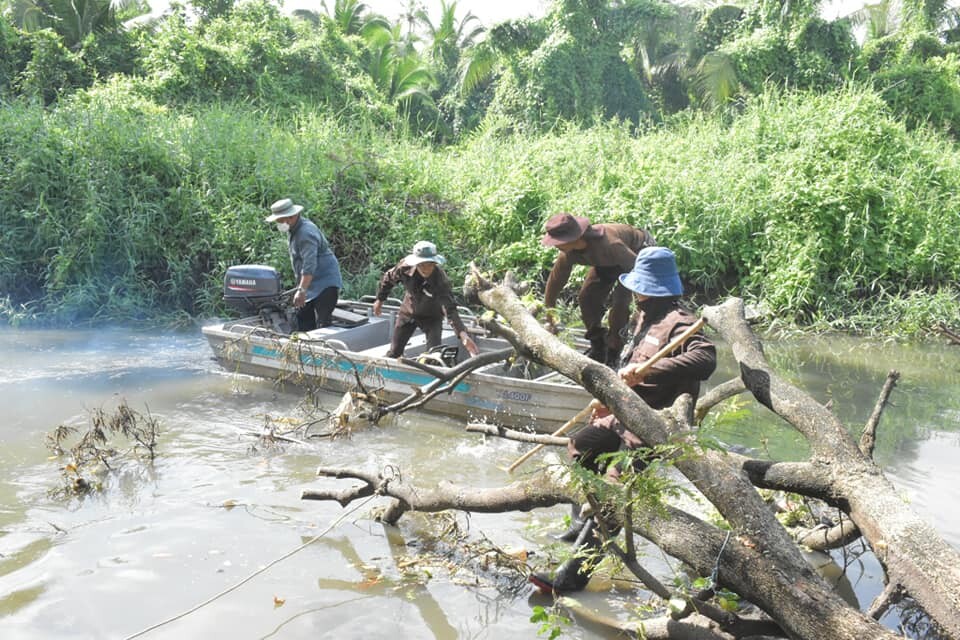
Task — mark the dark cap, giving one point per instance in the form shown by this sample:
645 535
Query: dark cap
564 227
593 442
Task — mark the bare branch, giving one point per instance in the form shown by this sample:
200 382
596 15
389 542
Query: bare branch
951 334
869 437
524 495
694 627
716 395
444 380
826 538
513 434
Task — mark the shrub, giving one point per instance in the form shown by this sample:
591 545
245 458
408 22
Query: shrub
113 206
924 92
51 69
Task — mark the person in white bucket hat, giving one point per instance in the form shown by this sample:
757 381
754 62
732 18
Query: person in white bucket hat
315 267
428 299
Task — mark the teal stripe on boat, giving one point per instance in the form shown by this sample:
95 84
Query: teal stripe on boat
405 377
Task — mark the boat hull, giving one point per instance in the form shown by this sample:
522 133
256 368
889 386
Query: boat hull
332 359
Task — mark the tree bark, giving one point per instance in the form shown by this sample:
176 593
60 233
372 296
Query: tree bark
912 552
779 580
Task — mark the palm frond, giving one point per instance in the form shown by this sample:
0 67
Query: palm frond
476 66
716 79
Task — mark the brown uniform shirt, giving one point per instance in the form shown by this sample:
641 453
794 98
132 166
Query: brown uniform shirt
676 373
612 252
425 297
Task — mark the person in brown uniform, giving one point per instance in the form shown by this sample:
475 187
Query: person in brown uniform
610 250
656 287
428 299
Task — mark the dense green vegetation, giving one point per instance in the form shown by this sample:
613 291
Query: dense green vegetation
782 161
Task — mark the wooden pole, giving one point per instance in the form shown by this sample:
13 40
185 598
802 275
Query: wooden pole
634 369
569 424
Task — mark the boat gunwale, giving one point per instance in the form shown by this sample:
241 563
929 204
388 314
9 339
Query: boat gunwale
318 347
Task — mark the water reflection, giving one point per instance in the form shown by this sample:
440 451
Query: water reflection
162 539
375 582
919 430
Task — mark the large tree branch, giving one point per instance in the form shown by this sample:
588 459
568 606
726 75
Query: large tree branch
806 478
912 551
522 495
779 573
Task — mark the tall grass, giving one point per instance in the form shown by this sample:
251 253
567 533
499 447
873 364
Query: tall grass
824 208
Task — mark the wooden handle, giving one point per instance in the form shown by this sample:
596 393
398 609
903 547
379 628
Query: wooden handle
673 344
569 424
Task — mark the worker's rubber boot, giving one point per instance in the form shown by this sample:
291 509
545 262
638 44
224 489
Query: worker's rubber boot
571 575
613 358
597 350
576 525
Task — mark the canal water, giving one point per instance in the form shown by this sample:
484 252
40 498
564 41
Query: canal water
218 504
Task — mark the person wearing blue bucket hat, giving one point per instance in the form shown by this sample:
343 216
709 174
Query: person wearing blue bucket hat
428 299
656 287
655 283
654 274
608 249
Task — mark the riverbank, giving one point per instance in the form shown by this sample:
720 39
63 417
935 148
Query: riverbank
825 210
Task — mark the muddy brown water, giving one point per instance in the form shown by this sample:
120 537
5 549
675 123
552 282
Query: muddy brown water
217 506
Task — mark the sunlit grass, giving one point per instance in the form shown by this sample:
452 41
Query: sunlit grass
823 208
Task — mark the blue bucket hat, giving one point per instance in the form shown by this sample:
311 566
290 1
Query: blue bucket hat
654 274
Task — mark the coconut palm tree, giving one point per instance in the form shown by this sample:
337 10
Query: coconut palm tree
350 16
478 64
676 64
449 37
887 17
396 67
879 19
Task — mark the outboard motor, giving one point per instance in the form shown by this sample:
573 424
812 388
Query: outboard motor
253 289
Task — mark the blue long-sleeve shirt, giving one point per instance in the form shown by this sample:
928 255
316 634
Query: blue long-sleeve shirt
311 253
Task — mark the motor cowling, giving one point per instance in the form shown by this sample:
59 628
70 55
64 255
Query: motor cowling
250 288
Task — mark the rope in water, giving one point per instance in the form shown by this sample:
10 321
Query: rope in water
252 575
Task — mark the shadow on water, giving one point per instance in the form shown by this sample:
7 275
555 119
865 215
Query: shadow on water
216 505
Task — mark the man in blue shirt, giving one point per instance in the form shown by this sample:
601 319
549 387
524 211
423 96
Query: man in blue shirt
315 267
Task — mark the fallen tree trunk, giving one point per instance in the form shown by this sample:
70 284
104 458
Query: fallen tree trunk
912 552
920 560
756 559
